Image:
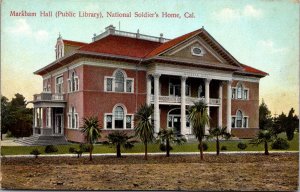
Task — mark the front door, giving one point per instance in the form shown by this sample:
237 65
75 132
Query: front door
58 124
176 125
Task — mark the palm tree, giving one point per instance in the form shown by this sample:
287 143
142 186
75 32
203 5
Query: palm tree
92 132
168 136
143 127
219 132
119 138
263 136
199 118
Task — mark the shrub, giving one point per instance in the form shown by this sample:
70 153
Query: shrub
75 151
84 147
72 150
223 148
35 152
242 145
280 143
163 147
205 146
50 149
128 145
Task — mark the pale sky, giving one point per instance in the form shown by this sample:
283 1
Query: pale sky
260 33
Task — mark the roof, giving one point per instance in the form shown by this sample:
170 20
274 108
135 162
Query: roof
74 43
249 69
115 46
171 43
123 46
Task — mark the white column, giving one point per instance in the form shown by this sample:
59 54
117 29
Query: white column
229 106
207 81
183 110
220 106
148 99
156 103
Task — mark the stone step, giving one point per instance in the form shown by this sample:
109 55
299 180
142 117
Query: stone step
42 140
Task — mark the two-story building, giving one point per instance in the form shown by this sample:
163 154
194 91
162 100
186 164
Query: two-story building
119 71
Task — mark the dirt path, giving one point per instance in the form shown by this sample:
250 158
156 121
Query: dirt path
226 172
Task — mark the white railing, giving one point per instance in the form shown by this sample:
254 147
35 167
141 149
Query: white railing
188 100
48 97
57 97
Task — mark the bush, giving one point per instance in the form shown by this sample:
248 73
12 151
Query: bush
72 150
84 147
163 147
205 146
223 148
50 149
35 152
242 145
128 145
280 143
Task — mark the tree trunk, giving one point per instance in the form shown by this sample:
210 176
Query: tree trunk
91 151
145 143
218 146
118 150
266 148
168 147
201 149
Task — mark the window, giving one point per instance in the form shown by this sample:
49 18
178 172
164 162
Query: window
59 84
73 83
119 83
118 119
245 94
233 93
108 121
239 120
200 91
73 118
128 121
187 90
197 51
239 92
175 90
233 122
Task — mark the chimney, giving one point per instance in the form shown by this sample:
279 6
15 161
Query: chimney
161 39
110 29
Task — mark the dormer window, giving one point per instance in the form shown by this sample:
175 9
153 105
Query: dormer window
197 51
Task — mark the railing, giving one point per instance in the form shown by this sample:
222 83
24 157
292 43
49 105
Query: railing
48 97
188 100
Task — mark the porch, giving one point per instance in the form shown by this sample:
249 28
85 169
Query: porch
48 114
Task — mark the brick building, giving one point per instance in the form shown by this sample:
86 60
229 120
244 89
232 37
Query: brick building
119 71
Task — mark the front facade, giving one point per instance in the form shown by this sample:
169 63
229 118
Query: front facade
119 71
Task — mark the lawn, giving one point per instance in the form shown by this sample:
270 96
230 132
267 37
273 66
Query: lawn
231 145
248 172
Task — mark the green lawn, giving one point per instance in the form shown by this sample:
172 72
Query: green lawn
139 147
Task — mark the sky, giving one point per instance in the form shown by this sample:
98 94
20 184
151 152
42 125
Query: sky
260 33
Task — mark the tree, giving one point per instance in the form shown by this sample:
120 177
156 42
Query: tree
92 132
199 118
219 132
291 124
265 119
263 136
143 127
119 138
167 136
15 116
279 124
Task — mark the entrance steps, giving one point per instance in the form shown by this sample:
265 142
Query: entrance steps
35 140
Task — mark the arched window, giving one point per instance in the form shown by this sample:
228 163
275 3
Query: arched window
239 118
119 117
119 82
73 82
72 118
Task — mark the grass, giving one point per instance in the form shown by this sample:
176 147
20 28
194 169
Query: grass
152 148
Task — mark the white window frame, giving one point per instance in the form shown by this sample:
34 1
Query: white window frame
243 116
114 84
113 119
70 118
246 89
70 83
198 47
61 84
235 96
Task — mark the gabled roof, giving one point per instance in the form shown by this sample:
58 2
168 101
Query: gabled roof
74 43
252 70
123 46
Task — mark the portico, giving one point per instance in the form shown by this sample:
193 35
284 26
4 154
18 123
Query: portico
183 88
